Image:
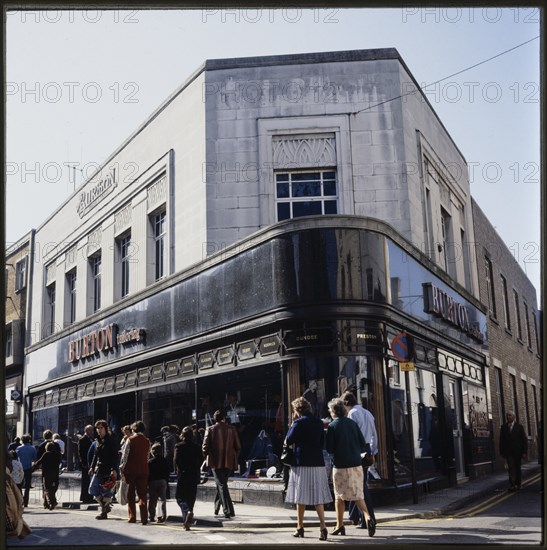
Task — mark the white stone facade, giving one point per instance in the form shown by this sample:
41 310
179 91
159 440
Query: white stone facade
208 158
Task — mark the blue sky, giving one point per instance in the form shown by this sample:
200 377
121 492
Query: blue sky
78 83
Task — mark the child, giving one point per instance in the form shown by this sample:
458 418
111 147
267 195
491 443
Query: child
157 482
50 462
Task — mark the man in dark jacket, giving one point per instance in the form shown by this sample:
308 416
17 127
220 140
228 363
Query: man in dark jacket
84 443
221 447
103 468
513 447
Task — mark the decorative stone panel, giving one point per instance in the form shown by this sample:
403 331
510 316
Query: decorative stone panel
157 193
304 151
122 220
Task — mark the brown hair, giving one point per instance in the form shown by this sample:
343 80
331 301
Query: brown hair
301 405
337 407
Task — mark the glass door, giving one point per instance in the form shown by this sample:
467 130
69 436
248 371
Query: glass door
457 426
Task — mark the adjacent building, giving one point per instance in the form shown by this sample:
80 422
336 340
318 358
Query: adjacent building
280 226
18 263
514 329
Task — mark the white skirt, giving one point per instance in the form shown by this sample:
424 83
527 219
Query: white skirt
308 485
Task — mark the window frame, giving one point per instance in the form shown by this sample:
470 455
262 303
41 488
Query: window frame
516 301
96 279
505 302
71 294
50 303
21 274
160 243
321 198
124 246
490 290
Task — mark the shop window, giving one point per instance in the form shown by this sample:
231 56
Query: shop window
505 294
306 194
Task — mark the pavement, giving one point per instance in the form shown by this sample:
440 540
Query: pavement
430 505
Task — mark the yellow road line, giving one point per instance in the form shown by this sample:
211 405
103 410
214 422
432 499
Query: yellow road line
492 501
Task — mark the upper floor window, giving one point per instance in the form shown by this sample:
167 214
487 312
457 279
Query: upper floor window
527 321
534 319
20 274
517 314
70 315
124 253
9 341
305 194
95 270
160 238
505 295
49 311
489 276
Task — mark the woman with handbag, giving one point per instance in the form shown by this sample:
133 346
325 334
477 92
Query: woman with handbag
345 442
308 483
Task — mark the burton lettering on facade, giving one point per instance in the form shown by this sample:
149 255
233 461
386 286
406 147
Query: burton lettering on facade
92 343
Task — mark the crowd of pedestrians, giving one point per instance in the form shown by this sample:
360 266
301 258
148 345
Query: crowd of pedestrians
136 470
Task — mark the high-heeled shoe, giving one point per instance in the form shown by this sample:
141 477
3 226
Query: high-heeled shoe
299 532
323 533
339 531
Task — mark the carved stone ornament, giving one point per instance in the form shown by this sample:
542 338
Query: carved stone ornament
291 152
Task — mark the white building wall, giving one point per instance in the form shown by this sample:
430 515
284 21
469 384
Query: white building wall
171 141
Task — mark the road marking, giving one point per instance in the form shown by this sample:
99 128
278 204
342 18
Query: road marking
492 501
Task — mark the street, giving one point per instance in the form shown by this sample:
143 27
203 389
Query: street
498 518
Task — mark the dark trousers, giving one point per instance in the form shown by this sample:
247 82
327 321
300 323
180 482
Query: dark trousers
27 481
84 494
50 485
354 512
515 473
221 476
158 491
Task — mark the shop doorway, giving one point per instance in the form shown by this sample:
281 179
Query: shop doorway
455 396
252 400
118 410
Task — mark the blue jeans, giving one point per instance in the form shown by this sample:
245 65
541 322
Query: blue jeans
96 490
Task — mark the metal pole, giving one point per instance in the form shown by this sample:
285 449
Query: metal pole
411 440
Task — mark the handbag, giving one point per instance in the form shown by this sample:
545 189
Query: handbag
366 457
287 456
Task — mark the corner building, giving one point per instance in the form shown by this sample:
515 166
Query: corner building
280 226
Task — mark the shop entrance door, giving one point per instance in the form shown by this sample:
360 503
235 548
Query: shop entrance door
457 426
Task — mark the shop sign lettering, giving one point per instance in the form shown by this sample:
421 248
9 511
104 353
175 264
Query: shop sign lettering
103 340
89 199
440 304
